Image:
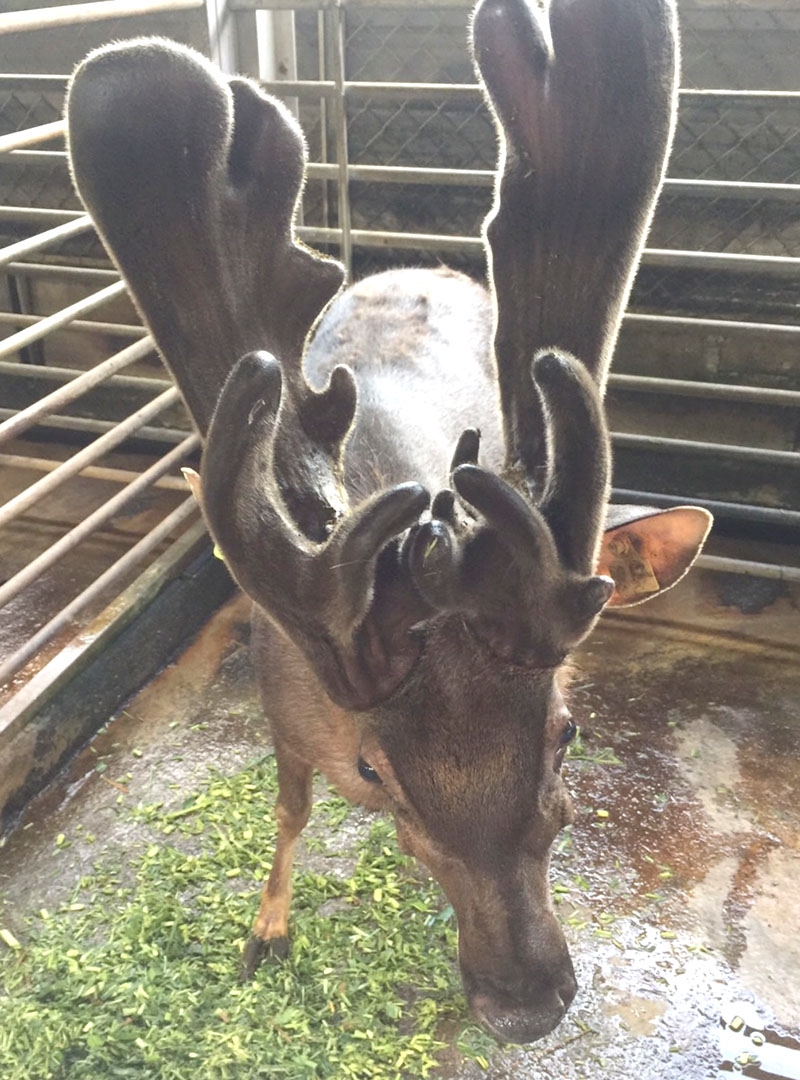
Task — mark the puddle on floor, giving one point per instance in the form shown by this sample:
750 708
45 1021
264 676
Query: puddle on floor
750 1047
677 884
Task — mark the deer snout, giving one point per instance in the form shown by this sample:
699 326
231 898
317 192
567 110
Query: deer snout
522 1014
517 974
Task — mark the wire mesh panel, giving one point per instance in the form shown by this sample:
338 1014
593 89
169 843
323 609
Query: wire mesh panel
747 46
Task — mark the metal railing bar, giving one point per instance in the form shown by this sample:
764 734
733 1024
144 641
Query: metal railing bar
49 323
374 238
84 326
470 93
326 5
485 178
86 426
757 395
724 565
80 273
137 554
714 325
42 240
465 93
37 82
91 453
16 22
37 157
16 140
64 395
322 70
479 178
751 454
36 213
732 189
767 97
91 472
337 36
717 260
302 88
70 540
761 515
402 174
101 630
48 373
703 260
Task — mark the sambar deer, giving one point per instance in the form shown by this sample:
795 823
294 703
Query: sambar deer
411 480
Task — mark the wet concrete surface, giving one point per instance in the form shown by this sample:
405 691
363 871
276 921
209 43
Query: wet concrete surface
677 884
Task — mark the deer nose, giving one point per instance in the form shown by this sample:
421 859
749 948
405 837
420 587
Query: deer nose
523 1018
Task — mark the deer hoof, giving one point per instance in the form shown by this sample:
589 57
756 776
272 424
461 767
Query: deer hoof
278 949
258 949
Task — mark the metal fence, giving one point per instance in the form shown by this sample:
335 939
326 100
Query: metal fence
95 520
705 396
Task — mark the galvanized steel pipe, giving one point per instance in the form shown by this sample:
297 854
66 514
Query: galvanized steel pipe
25 577
16 22
137 554
70 392
60 318
46 239
121 431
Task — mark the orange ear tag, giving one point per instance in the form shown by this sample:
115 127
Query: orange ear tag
632 573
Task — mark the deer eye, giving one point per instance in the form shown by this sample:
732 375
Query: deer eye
368 773
568 734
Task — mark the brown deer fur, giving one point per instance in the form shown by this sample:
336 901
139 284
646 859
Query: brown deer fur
417 585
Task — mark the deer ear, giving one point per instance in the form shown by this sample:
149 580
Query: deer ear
647 551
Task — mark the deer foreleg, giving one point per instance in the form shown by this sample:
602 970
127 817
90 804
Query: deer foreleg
270 933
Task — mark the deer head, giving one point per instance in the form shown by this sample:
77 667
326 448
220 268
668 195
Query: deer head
440 620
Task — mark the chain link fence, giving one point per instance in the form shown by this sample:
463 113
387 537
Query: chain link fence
742 46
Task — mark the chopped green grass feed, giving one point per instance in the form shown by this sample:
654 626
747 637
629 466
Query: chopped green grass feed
137 974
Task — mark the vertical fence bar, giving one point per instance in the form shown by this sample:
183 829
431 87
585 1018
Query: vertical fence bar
322 47
337 36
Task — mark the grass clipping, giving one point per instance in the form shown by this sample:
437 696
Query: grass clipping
136 975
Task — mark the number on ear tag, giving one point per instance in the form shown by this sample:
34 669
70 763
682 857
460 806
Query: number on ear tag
632 573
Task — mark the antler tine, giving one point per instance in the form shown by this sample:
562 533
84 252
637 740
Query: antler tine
583 96
322 594
579 442
192 181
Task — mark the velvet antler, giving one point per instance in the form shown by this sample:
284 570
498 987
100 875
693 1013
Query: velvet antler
193 181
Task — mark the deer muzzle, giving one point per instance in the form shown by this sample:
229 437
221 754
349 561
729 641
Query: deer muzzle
516 970
521 1015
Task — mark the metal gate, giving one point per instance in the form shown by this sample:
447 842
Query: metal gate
703 401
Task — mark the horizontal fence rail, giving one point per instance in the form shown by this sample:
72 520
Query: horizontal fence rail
77 14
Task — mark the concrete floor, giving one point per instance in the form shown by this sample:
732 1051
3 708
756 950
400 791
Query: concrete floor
689 872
